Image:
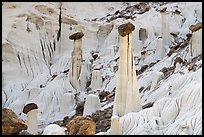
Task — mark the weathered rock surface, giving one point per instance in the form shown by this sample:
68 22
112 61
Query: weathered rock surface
81 126
11 123
196 27
126 29
76 36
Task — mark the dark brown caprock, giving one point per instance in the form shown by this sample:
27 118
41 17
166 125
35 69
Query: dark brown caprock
196 27
29 107
163 10
125 29
76 36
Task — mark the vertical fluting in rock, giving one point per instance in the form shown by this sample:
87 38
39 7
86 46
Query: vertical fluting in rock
76 60
196 40
92 104
102 34
165 27
127 97
135 41
96 80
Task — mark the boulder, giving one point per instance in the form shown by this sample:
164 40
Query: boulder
81 126
54 129
11 123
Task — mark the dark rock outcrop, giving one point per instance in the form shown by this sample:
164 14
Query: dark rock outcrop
102 118
79 109
148 105
178 60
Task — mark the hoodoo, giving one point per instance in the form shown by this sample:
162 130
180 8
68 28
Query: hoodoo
76 60
31 109
127 97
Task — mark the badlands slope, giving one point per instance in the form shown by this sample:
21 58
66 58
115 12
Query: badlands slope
36 59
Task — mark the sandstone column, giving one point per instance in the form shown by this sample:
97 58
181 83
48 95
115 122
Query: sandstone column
127 98
165 27
76 60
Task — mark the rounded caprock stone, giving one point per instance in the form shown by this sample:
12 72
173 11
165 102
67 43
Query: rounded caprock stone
125 29
29 107
76 36
163 10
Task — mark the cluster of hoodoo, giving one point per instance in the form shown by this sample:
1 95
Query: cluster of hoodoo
80 74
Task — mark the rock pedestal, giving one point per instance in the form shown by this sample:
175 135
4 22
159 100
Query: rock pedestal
76 60
127 98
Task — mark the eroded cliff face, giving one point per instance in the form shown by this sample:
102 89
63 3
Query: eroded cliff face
37 58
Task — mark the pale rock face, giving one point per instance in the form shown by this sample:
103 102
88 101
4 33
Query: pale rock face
15 105
169 113
196 44
135 41
67 103
102 34
92 103
178 67
32 93
157 76
54 129
85 75
112 40
96 80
